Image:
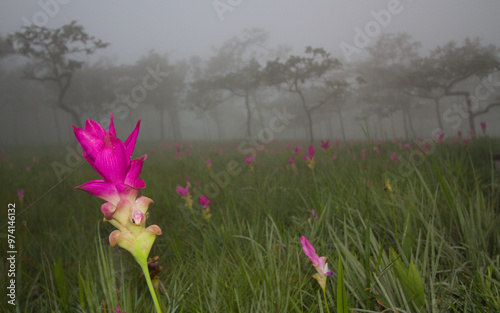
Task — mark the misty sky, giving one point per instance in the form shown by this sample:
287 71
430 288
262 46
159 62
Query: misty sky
192 27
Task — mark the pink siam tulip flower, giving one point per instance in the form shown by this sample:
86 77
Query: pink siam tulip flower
20 195
184 193
208 162
407 146
394 140
249 159
313 216
466 142
394 157
483 127
297 150
110 158
459 134
471 132
318 262
326 146
309 157
204 201
337 143
363 156
287 146
28 168
118 310
35 160
376 149
205 207
293 166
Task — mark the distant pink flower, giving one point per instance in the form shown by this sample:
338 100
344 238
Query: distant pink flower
394 157
118 310
287 146
337 143
229 165
348 150
20 194
459 134
35 160
313 215
363 154
297 150
378 142
309 157
249 159
204 201
407 146
208 162
182 191
291 160
326 145
318 262
310 153
28 168
466 142
334 156
471 132
11 165
376 149
197 184
483 127
394 140
455 140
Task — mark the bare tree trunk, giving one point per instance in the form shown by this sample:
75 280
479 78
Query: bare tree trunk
249 115
162 130
342 125
308 115
405 126
410 123
438 114
393 127
471 114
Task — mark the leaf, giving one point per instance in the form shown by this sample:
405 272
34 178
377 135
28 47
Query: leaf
341 294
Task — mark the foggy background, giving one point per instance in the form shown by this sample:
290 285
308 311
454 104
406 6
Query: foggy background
219 81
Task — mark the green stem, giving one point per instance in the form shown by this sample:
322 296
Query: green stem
394 216
315 184
326 302
144 267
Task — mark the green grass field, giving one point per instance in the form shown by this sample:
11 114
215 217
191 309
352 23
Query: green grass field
433 245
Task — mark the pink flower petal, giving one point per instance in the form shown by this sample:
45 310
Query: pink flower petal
132 139
309 251
111 130
95 129
90 143
135 170
101 189
112 161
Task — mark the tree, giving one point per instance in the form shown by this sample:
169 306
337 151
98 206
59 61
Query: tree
297 73
235 72
55 56
384 79
170 94
450 65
